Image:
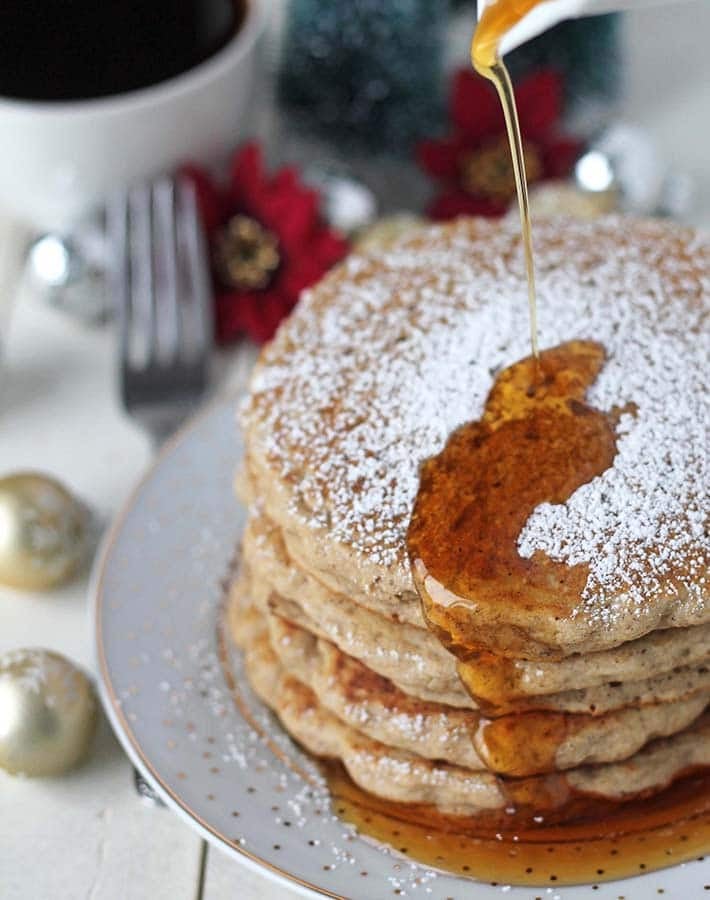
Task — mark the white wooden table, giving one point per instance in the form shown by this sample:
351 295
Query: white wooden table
87 835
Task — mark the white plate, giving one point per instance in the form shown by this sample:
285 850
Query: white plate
243 784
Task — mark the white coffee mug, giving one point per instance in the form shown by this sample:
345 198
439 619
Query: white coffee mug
58 160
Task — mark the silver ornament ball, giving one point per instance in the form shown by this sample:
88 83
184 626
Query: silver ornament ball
43 531
347 203
48 713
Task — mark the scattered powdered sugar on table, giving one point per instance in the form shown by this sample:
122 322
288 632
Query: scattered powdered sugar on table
385 358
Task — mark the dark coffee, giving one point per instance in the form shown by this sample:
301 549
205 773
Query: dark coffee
77 49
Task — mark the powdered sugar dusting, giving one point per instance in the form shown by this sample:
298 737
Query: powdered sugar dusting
387 356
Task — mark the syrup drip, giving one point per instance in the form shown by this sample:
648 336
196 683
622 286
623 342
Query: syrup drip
537 441
496 21
526 744
491 680
606 841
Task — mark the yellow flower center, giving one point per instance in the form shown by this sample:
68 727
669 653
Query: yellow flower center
246 254
488 170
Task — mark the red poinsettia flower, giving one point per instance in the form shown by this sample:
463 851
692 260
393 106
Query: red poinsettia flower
474 164
268 243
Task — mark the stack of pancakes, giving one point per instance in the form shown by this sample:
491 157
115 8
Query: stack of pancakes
596 689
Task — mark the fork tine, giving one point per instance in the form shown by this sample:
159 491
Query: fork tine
198 307
166 270
142 276
119 274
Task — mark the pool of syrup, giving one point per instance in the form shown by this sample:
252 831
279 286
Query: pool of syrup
605 842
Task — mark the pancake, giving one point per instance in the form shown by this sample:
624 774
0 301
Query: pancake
665 653
410 655
405 777
375 706
390 661
390 353
355 694
371 703
674 662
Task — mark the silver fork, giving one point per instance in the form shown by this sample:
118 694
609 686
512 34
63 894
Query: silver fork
159 277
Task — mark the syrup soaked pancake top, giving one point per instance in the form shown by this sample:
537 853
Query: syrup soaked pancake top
392 352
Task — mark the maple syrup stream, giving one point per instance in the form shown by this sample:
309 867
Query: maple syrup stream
496 20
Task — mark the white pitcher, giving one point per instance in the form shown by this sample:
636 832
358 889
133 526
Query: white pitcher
551 12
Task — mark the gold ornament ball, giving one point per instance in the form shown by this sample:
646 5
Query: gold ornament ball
43 532
48 713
